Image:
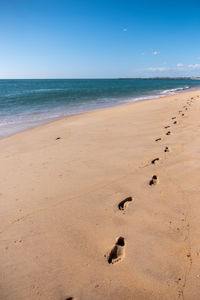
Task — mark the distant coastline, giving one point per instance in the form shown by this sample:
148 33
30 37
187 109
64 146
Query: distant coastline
160 78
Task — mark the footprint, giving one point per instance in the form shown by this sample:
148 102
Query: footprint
154 180
168 133
58 138
117 252
155 160
166 149
175 122
124 203
182 115
166 127
173 118
159 139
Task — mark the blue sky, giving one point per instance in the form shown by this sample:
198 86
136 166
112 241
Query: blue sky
99 39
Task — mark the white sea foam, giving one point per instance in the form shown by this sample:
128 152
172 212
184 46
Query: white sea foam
174 91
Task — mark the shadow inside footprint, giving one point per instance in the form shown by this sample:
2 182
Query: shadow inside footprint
159 139
173 118
166 149
58 138
124 203
166 127
117 252
154 180
168 133
155 160
175 122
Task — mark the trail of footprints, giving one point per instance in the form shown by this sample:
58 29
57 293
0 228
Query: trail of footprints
154 179
117 251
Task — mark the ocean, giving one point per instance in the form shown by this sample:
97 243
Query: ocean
28 103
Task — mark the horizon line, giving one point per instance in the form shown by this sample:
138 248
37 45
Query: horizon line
111 78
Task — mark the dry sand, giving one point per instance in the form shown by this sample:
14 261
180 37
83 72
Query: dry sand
66 227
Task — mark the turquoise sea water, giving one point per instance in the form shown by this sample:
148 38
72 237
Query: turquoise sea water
28 103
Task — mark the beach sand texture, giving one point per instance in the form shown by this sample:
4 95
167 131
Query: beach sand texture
104 205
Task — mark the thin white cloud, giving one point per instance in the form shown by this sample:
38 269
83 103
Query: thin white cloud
178 70
194 67
156 52
159 69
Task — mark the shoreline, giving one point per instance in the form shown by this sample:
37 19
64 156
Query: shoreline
159 97
110 210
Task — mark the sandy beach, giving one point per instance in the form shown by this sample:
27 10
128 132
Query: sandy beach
104 205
